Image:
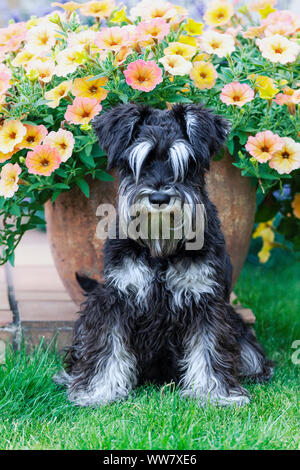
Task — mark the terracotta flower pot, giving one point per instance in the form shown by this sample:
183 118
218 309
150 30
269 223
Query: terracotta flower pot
72 221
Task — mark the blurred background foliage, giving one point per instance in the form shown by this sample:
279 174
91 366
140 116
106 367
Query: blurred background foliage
21 10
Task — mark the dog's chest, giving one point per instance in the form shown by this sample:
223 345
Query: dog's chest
180 282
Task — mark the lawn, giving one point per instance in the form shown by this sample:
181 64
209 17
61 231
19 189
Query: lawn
34 413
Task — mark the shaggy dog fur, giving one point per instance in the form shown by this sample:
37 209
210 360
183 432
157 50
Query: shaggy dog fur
162 313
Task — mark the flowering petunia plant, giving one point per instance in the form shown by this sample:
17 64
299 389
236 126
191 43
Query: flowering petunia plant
59 71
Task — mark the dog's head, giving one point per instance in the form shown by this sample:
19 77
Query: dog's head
162 156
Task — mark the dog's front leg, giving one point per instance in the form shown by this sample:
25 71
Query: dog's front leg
210 353
102 367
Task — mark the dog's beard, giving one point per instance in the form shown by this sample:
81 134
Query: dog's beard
160 228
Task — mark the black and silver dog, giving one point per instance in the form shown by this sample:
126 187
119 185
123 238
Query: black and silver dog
162 313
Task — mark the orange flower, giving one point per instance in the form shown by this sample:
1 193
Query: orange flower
156 28
112 38
6 156
101 9
236 94
33 137
144 76
43 160
69 7
296 205
263 145
289 98
88 88
254 32
82 110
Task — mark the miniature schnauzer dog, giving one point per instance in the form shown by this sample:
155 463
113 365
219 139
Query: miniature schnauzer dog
162 313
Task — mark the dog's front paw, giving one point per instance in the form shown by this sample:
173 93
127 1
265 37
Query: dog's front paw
230 400
234 397
93 397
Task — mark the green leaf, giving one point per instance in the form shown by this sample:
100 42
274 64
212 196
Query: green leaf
49 119
55 195
11 259
60 186
83 185
15 210
103 175
62 173
88 161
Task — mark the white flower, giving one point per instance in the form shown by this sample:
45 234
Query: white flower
212 42
278 49
176 64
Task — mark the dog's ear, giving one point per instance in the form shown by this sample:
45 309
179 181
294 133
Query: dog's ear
115 129
206 131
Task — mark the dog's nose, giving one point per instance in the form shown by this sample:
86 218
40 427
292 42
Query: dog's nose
159 198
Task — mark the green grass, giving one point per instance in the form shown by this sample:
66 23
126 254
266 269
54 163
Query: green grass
34 413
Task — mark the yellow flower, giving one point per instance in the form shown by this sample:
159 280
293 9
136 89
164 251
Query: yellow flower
9 179
265 86
204 75
56 94
45 70
11 134
41 38
63 141
296 205
202 56
179 48
85 38
176 64
187 40
265 231
218 13
22 58
287 158
120 16
68 60
88 88
263 7
193 28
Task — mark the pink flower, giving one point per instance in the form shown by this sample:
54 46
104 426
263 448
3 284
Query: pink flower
82 110
289 19
12 36
156 28
263 145
236 94
4 81
144 76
